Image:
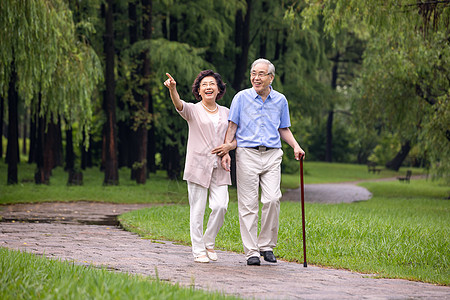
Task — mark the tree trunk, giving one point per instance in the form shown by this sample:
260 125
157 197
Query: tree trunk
133 152
242 42
48 148
151 140
110 145
397 161
329 129
24 132
2 108
278 45
284 49
86 154
263 32
151 145
70 154
74 177
242 45
142 132
51 150
133 143
39 176
33 135
263 44
12 150
59 151
171 157
173 29
329 142
124 133
172 160
124 130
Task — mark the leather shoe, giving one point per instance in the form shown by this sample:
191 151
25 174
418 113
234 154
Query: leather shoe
269 256
253 261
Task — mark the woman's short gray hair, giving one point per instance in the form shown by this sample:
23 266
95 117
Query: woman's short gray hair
264 61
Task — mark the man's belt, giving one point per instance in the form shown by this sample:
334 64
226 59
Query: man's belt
262 148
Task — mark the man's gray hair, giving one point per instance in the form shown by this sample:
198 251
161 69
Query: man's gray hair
271 69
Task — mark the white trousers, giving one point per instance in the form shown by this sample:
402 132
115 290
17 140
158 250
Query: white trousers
218 203
254 170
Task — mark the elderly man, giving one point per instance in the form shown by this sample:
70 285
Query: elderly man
258 117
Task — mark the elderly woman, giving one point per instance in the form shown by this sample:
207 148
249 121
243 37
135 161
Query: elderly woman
203 172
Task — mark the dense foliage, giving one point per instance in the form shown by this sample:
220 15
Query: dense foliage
404 86
364 81
40 44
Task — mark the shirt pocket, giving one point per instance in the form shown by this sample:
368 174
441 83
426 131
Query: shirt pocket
200 160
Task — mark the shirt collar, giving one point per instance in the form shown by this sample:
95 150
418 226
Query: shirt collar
255 94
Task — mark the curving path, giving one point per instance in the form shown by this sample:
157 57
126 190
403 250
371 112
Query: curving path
344 192
87 233
329 193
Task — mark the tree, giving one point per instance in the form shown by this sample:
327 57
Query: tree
56 72
2 110
194 36
142 133
242 42
12 150
404 82
70 154
111 163
345 53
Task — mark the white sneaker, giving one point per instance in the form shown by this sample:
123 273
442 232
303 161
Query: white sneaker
202 259
211 254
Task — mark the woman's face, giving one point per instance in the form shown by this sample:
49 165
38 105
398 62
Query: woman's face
208 89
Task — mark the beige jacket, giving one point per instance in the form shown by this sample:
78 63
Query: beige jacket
202 139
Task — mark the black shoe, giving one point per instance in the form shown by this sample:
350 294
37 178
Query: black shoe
253 261
268 256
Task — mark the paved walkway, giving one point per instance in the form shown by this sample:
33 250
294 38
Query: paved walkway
86 233
329 193
344 192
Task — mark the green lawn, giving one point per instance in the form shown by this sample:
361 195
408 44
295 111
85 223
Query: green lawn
402 232
322 172
27 276
157 189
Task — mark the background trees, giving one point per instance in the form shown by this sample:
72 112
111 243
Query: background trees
46 68
364 80
404 85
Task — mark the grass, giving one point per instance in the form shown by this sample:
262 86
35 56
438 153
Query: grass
402 232
322 172
27 276
157 189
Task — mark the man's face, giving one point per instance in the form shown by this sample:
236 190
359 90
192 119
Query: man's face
260 80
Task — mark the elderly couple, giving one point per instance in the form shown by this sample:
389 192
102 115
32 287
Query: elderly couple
256 120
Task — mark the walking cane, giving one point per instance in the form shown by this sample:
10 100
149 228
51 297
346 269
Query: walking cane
302 187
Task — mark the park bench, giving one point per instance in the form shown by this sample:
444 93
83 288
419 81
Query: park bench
406 178
372 167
